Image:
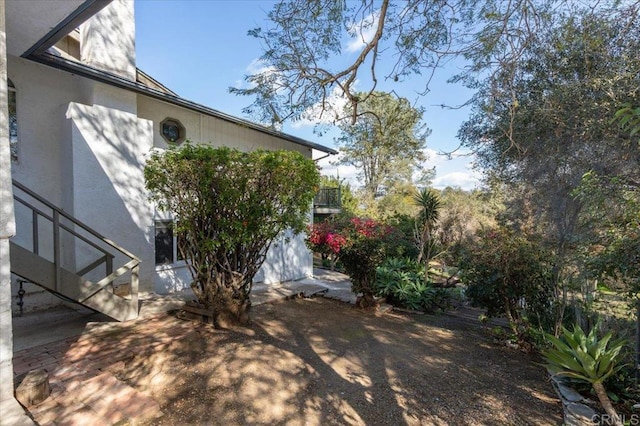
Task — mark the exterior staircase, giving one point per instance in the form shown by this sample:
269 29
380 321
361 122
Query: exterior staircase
49 243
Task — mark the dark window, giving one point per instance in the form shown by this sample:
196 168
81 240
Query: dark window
164 243
13 121
172 131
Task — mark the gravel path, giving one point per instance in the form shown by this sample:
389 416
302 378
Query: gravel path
318 362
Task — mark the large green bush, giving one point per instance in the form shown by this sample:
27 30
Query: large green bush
509 275
229 206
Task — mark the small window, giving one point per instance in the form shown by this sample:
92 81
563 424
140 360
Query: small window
13 121
164 243
172 131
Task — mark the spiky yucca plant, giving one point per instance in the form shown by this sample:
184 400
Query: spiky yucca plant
587 358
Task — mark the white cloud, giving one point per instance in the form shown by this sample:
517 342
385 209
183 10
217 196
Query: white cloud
257 66
328 114
433 158
455 169
346 173
362 32
467 180
455 172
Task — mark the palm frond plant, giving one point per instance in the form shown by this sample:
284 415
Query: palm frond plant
429 204
586 358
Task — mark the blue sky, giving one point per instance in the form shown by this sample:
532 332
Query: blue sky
199 48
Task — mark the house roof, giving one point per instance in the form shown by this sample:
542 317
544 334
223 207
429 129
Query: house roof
156 90
34 26
145 84
146 80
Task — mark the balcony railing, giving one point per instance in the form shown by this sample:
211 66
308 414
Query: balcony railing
327 198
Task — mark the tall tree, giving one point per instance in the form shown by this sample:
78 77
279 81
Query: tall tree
386 140
614 248
303 39
541 127
568 88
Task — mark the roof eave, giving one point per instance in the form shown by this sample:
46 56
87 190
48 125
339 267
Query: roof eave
123 83
88 9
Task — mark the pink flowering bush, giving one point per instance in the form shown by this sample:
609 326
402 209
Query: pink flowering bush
335 242
361 245
323 238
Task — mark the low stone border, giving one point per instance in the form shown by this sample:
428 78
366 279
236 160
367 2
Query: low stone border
575 412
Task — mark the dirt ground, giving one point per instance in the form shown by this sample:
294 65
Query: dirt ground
318 362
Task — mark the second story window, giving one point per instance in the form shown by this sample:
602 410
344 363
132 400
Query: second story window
13 121
172 131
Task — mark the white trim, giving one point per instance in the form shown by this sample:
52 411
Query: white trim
170 266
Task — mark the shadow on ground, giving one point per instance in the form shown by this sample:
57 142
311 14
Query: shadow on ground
315 361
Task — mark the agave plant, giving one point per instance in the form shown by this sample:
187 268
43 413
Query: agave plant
587 358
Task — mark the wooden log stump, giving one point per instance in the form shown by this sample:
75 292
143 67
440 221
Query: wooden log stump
198 310
34 388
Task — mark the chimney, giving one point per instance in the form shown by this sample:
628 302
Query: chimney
108 40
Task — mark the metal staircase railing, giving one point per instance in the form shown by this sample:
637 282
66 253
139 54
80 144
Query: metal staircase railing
77 234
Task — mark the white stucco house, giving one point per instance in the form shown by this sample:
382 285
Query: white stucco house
78 122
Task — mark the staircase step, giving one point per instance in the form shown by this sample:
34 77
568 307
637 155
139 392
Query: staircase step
41 271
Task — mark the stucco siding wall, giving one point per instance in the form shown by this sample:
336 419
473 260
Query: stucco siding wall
44 148
288 257
109 149
7 229
108 39
91 168
44 134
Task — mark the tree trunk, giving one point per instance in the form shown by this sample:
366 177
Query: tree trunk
637 341
225 298
606 403
510 317
231 312
367 300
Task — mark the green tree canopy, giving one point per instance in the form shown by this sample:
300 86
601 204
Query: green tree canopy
229 206
303 38
540 128
386 139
